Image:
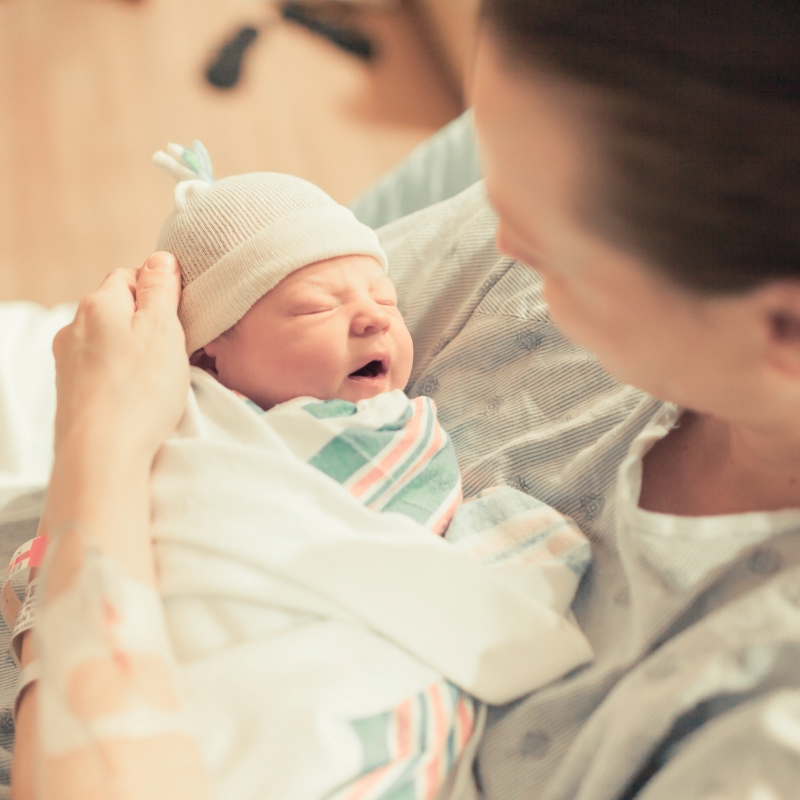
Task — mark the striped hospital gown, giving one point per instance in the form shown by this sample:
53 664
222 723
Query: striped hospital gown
694 620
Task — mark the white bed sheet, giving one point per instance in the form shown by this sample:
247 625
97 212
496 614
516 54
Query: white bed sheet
27 394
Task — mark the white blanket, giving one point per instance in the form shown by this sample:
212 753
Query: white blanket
296 611
27 394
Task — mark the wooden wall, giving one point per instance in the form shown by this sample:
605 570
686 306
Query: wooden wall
89 89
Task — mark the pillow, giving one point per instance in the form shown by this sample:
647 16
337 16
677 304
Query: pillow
441 167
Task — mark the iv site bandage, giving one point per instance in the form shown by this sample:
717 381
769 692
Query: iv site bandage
104 621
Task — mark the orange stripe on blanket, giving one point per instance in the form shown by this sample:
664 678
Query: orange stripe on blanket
363 786
465 722
403 730
433 771
435 446
441 524
403 446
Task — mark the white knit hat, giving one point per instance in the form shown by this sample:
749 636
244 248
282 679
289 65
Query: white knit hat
239 237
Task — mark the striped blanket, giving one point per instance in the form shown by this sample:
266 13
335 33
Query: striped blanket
389 452
332 646
392 454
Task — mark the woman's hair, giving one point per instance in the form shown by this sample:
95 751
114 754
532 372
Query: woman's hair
699 133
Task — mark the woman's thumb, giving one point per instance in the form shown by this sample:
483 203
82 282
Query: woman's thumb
158 284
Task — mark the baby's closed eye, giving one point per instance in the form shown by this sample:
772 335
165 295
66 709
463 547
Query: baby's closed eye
312 304
303 311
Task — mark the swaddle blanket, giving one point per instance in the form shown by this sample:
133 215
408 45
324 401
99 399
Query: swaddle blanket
330 645
389 452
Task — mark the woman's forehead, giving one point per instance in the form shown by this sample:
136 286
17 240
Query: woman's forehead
531 131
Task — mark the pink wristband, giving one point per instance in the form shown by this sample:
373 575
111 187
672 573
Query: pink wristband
29 555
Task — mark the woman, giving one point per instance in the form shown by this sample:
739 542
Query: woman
642 159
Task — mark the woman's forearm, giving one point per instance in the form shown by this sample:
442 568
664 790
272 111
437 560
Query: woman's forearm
23 767
99 499
99 487
109 720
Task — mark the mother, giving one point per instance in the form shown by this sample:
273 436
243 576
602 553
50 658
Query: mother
643 160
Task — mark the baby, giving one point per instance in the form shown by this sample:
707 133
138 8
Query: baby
286 296
328 647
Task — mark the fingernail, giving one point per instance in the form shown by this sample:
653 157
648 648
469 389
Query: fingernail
161 262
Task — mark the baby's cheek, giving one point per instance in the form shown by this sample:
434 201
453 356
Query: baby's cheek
312 372
404 360
253 374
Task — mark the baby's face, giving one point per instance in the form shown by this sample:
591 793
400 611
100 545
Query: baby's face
329 330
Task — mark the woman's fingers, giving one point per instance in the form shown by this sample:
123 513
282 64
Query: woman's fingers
158 286
123 360
118 278
117 291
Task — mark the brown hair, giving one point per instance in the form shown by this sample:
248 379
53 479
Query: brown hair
701 139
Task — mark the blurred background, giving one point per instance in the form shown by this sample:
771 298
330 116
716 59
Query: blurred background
335 92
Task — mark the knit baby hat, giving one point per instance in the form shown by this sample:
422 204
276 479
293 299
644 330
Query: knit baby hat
238 237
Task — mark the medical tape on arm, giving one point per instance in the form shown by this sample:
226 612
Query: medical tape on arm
104 620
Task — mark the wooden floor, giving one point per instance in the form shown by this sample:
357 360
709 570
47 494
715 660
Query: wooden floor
89 89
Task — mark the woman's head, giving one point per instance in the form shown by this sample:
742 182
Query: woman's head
643 156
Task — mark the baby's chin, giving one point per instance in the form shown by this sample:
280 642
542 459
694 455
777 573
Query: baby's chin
363 388
351 389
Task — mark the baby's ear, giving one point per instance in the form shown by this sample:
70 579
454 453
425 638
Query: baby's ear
203 360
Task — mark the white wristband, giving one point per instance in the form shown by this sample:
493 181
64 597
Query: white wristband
28 674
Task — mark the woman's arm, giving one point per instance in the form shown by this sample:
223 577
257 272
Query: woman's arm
23 770
122 378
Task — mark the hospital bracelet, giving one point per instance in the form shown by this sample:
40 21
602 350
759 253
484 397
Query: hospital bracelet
18 614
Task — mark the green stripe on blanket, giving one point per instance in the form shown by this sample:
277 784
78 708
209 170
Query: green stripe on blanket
349 452
410 462
331 408
423 495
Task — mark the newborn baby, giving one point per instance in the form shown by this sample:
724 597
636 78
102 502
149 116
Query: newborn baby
332 331
294 301
328 645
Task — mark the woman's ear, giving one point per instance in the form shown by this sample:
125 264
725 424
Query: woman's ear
781 312
201 358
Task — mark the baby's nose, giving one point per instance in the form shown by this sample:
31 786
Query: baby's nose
371 318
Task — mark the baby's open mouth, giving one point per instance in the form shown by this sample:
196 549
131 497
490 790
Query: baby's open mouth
373 369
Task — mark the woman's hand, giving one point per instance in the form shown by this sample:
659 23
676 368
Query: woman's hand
121 369
122 378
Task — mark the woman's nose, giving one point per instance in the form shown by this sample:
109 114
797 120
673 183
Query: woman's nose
370 319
